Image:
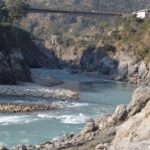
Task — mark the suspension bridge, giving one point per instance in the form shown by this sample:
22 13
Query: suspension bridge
72 12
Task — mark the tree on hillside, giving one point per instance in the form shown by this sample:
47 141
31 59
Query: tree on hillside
15 10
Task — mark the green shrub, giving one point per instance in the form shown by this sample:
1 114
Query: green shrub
67 42
55 28
144 53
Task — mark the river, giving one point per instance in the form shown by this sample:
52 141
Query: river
97 98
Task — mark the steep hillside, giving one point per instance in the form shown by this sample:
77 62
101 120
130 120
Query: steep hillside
124 52
69 35
118 48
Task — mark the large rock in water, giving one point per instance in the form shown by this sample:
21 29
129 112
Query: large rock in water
13 67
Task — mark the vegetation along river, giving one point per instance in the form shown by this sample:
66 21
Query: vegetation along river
97 98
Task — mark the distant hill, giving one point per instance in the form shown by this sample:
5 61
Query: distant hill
97 5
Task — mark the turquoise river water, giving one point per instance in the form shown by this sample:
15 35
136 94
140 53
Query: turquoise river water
97 98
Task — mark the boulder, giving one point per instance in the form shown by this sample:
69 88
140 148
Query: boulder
3 148
143 70
20 147
122 70
13 67
107 65
106 122
120 113
132 70
139 99
89 127
133 134
101 146
24 147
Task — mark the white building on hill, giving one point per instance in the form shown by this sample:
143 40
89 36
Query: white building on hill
143 13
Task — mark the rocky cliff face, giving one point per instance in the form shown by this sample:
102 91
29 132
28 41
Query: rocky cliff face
12 37
124 55
13 67
115 49
113 63
18 53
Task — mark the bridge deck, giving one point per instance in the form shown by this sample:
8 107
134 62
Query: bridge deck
72 12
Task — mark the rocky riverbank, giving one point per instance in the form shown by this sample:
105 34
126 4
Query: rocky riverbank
38 91
15 108
127 129
44 79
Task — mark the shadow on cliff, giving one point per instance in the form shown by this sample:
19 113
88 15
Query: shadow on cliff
13 37
100 59
18 53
